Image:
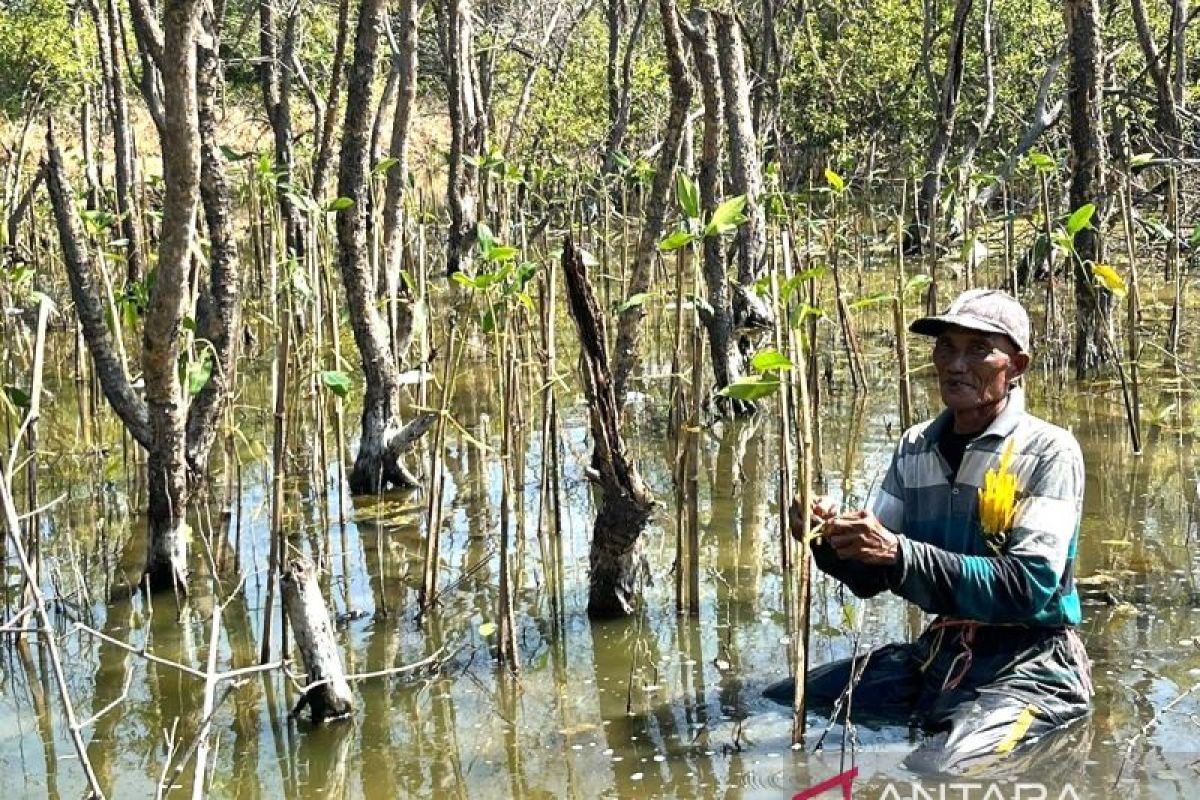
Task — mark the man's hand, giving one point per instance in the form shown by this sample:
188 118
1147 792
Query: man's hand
824 508
859 536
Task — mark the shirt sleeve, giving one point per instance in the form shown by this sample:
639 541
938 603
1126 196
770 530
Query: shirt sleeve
888 503
1021 583
864 580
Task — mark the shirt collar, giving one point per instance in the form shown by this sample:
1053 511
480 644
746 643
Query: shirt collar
1002 426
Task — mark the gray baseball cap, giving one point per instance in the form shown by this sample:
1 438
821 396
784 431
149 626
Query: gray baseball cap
987 310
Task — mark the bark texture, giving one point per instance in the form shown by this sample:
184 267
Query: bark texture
378 464
1085 49
617 562
110 47
460 185
174 435
110 372
745 166
623 95
945 115
328 695
1166 111
337 70
630 321
404 58
277 49
218 305
166 563
1041 117
718 315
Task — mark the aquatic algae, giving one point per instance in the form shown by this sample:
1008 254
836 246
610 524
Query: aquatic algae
998 499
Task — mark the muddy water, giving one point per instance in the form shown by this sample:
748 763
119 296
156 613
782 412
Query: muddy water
653 706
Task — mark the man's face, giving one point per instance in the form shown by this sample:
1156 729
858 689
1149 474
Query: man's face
974 368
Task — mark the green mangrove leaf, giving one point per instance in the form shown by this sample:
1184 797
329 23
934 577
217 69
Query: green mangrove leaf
633 301
727 216
385 165
336 381
198 373
751 387
17 396
802 312
1041 162
688 195
501 252
917 283
675 241
874 299
1081 218
770 360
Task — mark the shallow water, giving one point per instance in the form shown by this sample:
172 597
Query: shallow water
652 706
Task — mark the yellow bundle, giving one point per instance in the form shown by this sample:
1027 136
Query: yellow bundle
998 500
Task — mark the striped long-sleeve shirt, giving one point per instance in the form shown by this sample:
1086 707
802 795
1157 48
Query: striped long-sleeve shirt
945 565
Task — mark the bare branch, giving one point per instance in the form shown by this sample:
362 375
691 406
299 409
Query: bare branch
109 369
147 30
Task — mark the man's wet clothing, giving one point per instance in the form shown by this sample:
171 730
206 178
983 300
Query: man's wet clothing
980 690
1001 665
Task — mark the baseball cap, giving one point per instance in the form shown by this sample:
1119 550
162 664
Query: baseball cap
987 310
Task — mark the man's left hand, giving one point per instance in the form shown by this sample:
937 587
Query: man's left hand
859 536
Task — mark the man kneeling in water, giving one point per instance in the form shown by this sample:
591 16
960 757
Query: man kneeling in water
990 554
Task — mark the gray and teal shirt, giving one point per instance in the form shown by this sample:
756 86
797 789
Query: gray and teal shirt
945 565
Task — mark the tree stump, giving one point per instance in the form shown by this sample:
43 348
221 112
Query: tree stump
328 694
617 562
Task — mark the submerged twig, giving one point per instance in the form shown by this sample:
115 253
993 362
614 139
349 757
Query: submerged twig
1145 729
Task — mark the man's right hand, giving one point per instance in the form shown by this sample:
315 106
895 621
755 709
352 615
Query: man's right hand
823 508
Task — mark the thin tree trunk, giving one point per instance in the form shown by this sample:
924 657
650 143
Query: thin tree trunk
945 114
461 181
1085 49
745 166
20 209
1166 111
89 308
1179 24
559 63
404 55
386 100
87 145
108 33
766 91
620 123
618 565
218 307
166 558
614 15
628 353
718 316
378 463
514 127
274 74
1042 117
146 30
989 102
337 70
